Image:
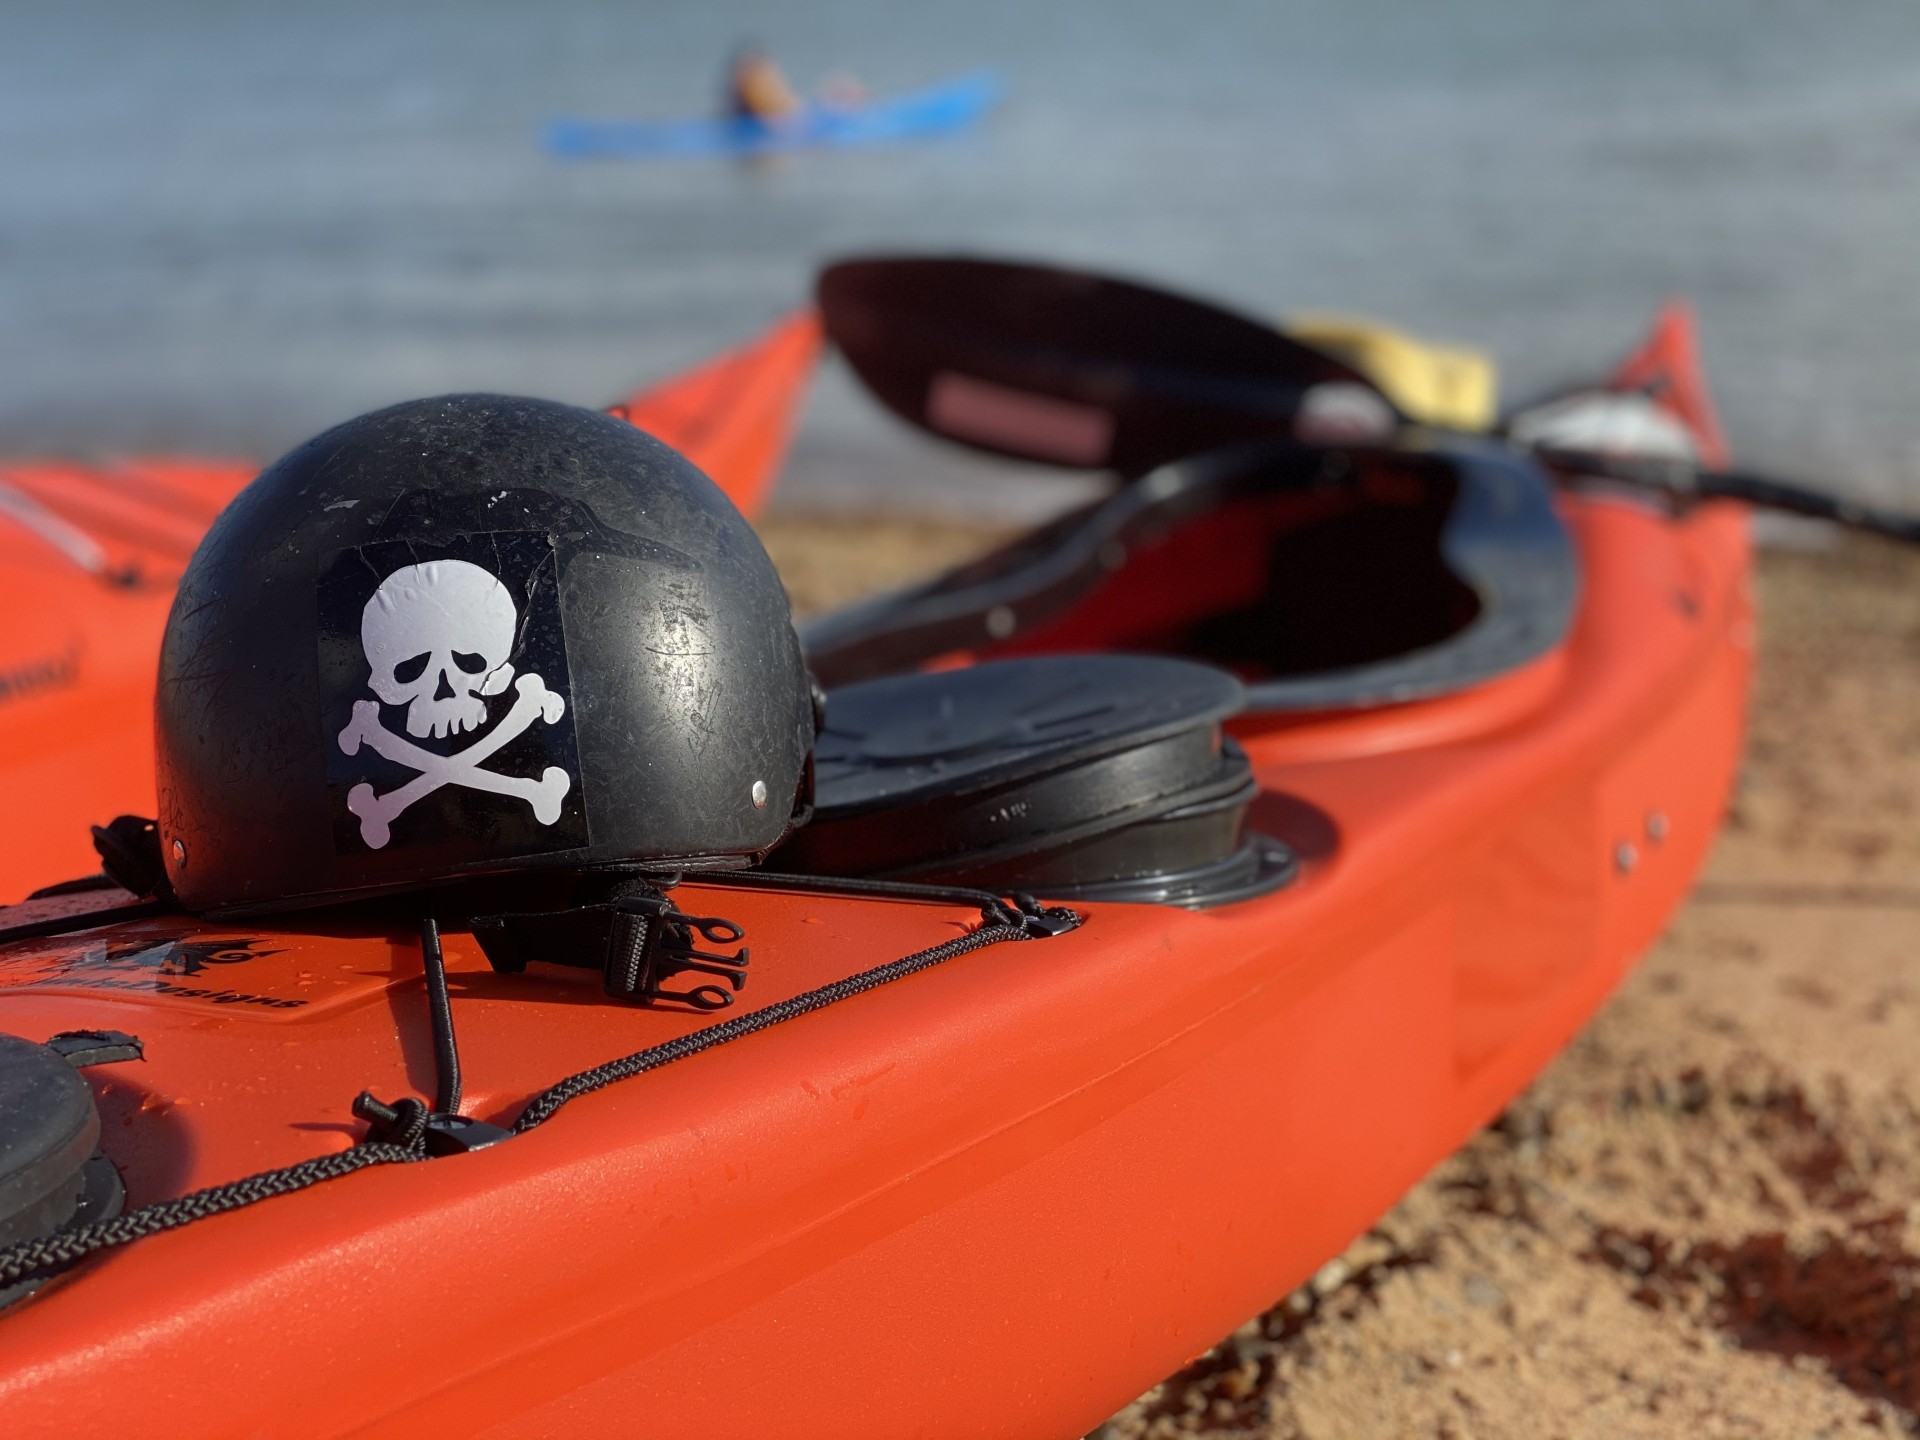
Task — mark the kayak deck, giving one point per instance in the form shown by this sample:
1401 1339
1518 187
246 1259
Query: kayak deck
1006 1194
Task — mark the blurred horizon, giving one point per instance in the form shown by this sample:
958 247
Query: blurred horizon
230 226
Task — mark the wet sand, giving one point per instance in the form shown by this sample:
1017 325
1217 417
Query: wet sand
1704 1218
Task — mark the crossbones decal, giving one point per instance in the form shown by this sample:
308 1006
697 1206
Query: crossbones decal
438 634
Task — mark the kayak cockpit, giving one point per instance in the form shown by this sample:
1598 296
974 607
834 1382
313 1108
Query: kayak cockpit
1327 579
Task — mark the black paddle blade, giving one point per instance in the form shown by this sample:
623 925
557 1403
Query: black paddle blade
1076 370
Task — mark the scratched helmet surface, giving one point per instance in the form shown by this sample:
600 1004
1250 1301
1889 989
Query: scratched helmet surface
472 635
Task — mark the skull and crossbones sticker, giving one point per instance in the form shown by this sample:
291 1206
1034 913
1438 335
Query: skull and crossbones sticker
450 657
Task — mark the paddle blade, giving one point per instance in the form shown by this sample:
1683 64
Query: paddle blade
734 415
1446 385
1076 370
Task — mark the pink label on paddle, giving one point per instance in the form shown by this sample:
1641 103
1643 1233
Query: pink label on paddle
1036 425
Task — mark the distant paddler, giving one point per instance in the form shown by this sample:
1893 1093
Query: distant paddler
757 89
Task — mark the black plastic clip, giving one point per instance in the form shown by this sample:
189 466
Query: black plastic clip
457 1134
1040 921
651 943
439 1133
129 851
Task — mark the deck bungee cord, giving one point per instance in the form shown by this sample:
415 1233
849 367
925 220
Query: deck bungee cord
410 1129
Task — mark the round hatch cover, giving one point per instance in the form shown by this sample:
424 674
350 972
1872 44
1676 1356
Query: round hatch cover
50 1174
957 731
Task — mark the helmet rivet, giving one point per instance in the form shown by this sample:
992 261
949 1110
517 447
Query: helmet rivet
179 852
759 793
1001 622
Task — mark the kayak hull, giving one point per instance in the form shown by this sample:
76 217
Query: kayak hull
950 108
998 1198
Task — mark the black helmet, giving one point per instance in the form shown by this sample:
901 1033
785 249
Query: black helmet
471 635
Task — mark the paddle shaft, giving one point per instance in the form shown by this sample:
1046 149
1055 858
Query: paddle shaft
1763 491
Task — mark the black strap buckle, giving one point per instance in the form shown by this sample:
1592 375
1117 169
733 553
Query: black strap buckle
652 943
641 943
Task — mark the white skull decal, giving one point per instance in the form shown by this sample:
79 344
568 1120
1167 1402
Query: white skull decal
437 637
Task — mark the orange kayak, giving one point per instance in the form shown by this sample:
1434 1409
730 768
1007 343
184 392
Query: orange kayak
998 1195
90 552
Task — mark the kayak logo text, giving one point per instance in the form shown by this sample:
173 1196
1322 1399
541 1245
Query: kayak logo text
149 965
444 685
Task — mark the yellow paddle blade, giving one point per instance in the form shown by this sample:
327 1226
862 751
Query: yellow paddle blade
1438 384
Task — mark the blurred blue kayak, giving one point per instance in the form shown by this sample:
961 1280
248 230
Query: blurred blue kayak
946 109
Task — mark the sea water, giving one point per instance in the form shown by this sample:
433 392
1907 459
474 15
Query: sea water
224 226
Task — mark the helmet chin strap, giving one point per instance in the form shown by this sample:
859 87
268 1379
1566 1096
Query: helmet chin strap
636 937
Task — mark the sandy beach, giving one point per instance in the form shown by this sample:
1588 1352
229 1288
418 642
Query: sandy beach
1704 1218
